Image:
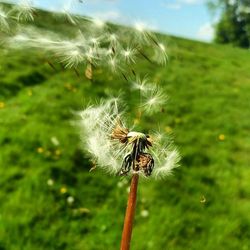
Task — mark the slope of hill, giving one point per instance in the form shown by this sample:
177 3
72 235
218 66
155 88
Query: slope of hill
204 205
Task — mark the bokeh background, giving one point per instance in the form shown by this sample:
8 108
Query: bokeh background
50 200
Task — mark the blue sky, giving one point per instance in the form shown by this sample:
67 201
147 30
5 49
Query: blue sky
185 18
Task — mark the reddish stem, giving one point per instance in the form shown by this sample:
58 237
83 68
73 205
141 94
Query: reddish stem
129 216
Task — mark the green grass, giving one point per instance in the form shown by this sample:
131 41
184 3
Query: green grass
208 88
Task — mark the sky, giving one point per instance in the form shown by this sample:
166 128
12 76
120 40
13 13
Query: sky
184 18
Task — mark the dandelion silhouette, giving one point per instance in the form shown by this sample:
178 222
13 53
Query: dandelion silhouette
124 152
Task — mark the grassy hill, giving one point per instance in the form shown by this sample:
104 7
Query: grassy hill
204 205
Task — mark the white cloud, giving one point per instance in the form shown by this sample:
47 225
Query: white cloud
173 6
206 32
191 1
111 15
178 4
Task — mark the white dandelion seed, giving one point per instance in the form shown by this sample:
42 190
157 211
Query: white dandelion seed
4 24
141 84
66 12
129 54
167 162
91 55
72 19
113 40
97 47
160 54
70 53
108 52
95 41
153 100
114 64
72 58
142 32
24 10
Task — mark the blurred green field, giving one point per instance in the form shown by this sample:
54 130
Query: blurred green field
204 205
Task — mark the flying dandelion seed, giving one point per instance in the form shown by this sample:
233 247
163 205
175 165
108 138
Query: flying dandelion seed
113 64
4 25
91 56
141 84
24 11
68 5
119 150
153 99
94 43
160 54
113 39
129 55
142 32
72 58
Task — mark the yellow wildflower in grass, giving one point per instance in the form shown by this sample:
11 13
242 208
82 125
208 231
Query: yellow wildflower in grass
221 137
177 120
2 105
168 129
84 210
58 152
136 121
30 93
63 190
40 150
203 199
68 86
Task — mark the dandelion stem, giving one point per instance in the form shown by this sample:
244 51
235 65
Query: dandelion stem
130 212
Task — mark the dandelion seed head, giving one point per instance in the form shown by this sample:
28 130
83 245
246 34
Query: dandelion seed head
106 138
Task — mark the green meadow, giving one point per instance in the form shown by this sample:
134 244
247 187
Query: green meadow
205 204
